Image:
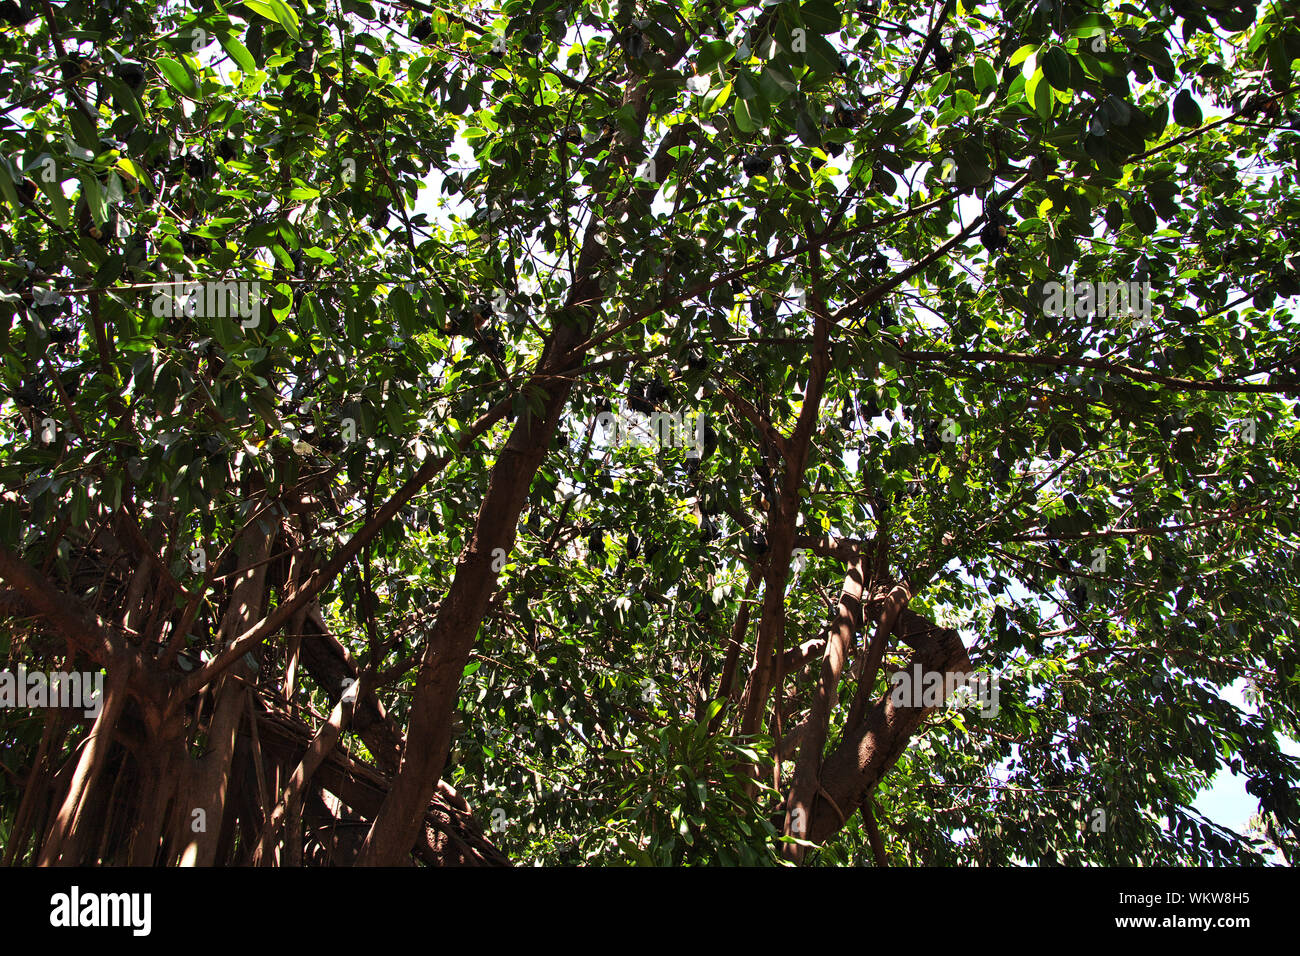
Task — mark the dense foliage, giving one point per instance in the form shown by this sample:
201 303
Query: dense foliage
481 231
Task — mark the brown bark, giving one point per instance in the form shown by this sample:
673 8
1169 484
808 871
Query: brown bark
363 788
829 546
886 620
727 680
162 764
808 764
63 844
209 780
784 514
34 787
771 625
82 629
291 801
796 658
871 748
320 578
396 828
330 665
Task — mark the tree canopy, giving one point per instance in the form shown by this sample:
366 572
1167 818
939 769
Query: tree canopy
485 433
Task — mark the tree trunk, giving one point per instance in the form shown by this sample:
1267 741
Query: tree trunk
808 765
870 748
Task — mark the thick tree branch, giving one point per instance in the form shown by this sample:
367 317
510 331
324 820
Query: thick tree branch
870 749
807 766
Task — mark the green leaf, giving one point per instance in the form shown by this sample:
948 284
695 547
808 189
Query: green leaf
58 202
1022 54
717 98
1186 111
822 58
985 76
712 55
1279 65
745 116
775 84
1090 25
286 16
216 228
94 197
238 52
110 271
85 131
806 129
170 251
1115 216
822 16
276 11
1056 67
1038 91
313 313
746 87
354 325
1144 217
403 307
7 185
179 77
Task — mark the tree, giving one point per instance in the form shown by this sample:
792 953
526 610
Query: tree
644 420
